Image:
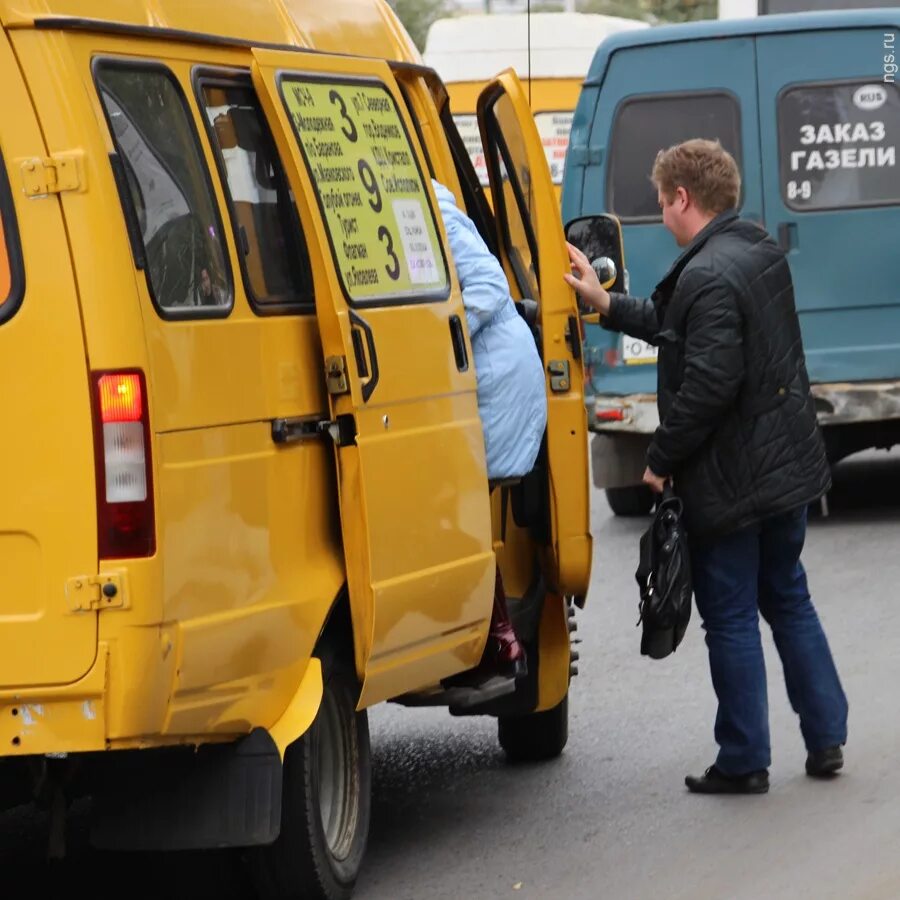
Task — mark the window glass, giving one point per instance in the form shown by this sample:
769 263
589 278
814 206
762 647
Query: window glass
554 129
274 258
515 200
370 188
169 187
644 126
467 126
837 145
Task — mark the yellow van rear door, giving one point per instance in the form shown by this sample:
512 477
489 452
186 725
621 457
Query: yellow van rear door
398 367
530 237
48 504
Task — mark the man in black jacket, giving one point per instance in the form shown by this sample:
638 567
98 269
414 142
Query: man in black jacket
738 437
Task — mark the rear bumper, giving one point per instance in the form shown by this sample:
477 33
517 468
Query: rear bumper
853 416
842 403
845 403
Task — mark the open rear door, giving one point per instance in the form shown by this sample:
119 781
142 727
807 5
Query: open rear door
533 250
413 487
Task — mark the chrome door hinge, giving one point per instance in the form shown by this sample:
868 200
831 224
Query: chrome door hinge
42 176
85 593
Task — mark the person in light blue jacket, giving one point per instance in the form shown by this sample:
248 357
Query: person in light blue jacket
512 398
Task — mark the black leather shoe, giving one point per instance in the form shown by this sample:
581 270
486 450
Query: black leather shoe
715 782
823 763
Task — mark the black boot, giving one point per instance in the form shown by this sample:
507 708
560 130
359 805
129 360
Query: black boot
715 782
824 763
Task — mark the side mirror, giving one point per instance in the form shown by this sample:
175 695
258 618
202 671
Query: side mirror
600 239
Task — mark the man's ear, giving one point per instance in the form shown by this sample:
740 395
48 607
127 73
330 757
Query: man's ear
683 198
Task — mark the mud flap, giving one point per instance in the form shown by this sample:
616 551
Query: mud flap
218 795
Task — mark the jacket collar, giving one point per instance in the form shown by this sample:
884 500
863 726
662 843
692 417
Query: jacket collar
719 223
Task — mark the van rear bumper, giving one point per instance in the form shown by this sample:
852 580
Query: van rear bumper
854 416
836 404
843 403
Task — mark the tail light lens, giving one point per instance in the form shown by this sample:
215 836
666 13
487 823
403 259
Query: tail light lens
125 520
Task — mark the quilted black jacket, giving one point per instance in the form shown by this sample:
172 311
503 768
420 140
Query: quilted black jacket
738 428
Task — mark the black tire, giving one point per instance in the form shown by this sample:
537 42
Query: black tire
326 804
537 736
637 500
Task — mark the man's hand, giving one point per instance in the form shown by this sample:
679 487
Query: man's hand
587 284
655 482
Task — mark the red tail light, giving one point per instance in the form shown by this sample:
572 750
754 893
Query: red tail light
125 520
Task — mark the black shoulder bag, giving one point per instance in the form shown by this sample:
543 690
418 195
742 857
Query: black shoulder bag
664 578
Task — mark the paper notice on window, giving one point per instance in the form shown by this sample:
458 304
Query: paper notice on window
419 251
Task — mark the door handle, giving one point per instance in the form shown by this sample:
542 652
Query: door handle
787 236
458 340
364 370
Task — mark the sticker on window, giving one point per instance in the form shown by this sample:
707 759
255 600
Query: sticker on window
467 126
370 188
839 145
554 128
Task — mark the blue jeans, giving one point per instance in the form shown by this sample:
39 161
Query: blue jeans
758 570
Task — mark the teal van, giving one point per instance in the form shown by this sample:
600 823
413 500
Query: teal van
809 106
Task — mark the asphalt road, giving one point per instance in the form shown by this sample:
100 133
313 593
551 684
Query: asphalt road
611 818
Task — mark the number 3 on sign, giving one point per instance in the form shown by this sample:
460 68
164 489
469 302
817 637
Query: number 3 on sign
384 236
803 190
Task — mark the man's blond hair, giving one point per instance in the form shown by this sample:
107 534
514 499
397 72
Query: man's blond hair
704 169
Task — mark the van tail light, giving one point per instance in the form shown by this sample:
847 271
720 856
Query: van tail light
125 520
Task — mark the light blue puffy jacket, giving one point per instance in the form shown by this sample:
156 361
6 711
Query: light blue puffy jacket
512 399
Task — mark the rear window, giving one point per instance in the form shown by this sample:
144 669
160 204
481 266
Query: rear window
837 145
644 126
10 258
274 259
169 189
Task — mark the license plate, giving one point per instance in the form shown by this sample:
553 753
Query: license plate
636 352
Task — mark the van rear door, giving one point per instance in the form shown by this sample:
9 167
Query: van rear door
830 130
652 97
48 504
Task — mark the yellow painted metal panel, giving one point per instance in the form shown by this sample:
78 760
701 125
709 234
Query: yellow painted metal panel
340 26
47 449
419 447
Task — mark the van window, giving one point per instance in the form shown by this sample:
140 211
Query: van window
10 256
369 187
169 187
837 145
274 259
515 202
646 125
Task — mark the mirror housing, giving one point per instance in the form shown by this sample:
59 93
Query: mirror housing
600 239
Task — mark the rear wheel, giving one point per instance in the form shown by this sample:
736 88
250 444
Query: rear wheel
326 804
636 500
536 736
